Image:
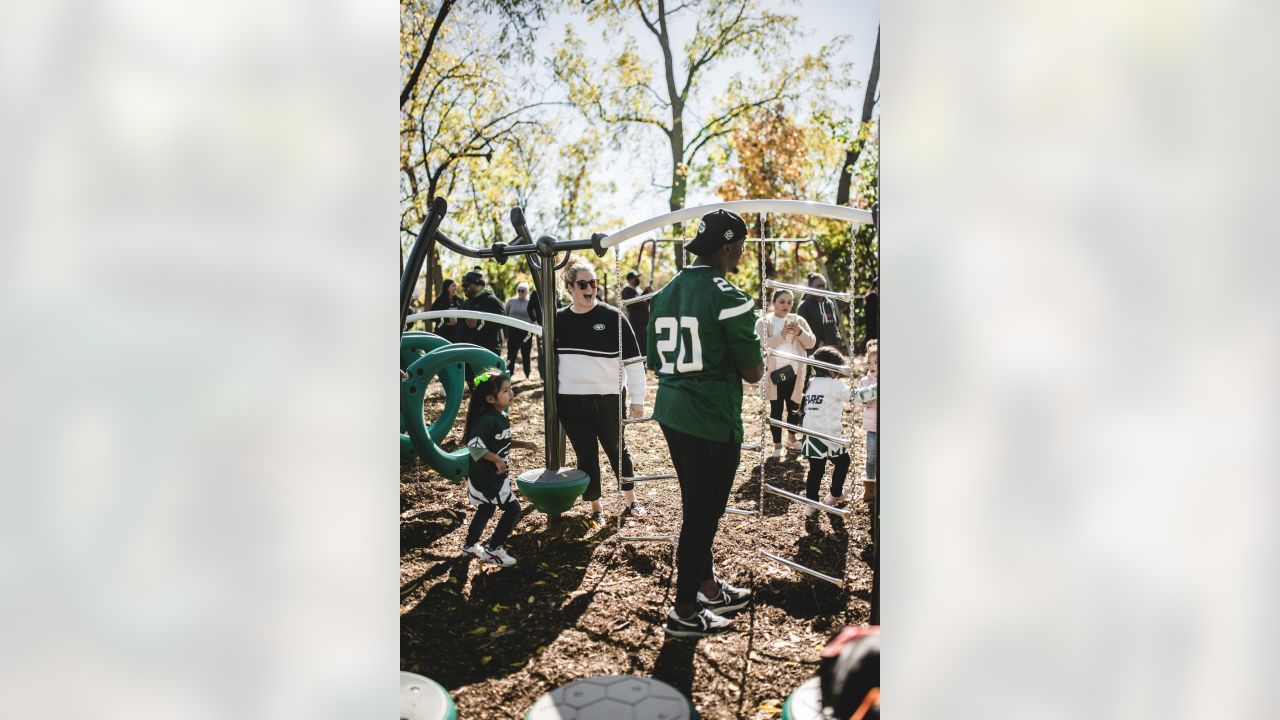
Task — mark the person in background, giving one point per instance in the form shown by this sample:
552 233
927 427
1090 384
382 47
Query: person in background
824 404
638 313
518 341
481 299
447 299
820 313
784 331
586 347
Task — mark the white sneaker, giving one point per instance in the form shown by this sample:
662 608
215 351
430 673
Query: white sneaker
779 453
809 511
500 557
833 499
797 445
475 552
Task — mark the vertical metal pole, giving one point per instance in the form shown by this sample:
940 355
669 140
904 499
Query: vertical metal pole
875 512
552 433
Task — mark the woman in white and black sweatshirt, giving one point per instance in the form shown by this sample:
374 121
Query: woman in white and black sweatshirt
587 396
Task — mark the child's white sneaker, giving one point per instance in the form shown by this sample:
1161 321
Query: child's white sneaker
809 511
499 556
779 453
476 552
833 499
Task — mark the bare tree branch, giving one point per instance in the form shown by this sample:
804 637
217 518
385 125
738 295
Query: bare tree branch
407 92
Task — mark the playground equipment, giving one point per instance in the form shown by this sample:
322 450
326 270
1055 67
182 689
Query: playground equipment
422 698
453 465
613 697
553 480
552 493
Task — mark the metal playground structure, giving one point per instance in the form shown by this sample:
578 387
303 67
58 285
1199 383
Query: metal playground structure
419 367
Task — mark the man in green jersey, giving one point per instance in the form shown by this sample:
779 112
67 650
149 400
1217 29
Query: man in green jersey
702 344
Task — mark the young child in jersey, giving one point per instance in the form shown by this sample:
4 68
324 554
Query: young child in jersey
870 419
488 437
824 404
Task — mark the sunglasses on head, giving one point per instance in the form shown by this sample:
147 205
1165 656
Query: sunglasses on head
584 284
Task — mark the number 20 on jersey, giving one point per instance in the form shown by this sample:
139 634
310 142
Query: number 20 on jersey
678 344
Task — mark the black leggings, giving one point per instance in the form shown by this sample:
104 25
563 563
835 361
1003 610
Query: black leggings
518 343
818 468
510 515
706 469
775 407
591 421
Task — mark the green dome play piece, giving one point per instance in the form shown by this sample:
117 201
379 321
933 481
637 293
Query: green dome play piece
550 491
805 703
422 698
613 697
454 465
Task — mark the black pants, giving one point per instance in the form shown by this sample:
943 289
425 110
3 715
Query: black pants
775 407
510 515
518 343
591 422
818 468
706 469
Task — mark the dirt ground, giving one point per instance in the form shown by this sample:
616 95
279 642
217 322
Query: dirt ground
580 603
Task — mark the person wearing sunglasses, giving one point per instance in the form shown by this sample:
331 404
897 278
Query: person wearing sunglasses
586 347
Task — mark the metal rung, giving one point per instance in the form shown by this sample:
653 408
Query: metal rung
842 442
634 360
802 499
752 446
636 299
643 478
800 568
842 369
648 538
739 511
632 421
808 290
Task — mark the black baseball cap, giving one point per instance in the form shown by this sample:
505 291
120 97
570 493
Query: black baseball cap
717 228
633 274
473 277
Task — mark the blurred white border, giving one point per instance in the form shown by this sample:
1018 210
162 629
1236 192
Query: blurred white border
1079 359
198 233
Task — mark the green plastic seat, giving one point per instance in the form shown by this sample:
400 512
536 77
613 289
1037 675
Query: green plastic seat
454 465
805 703
613 697
422 698
552 492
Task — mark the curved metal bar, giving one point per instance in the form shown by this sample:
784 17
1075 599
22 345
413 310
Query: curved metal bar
788 207
494 318
413 266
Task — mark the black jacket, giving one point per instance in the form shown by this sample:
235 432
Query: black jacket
485 334
822 317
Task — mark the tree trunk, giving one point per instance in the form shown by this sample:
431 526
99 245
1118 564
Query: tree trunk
678 179
868 101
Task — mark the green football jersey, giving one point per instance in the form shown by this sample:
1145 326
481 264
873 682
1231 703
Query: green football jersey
701 332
